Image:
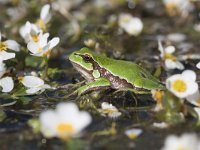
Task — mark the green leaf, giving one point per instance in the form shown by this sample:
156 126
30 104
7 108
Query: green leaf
75 144
33 61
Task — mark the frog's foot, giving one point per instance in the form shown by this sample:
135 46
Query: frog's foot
97 84
135 91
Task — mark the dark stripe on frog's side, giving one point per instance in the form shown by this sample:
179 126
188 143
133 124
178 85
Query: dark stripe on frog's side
116 82
133 73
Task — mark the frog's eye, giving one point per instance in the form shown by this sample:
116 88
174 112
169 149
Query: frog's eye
87 58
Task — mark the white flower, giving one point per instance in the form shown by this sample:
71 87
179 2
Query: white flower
34 84
45 17
30 32
198 65
65 122
42 48
160 125
7 84
132 25
109 110
170 60
5 45
176 37
197 27
194 98
175 7
133 133
184 142
65 5
182 85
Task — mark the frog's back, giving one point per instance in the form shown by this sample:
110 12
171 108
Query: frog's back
130 72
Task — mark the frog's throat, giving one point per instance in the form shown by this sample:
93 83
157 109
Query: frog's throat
85 73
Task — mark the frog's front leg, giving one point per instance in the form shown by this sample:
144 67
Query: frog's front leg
98 83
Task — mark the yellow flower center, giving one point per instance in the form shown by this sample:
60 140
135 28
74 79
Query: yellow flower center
171 8
170 56
157 96
3 46
179 85
108 111
42 24
39 50
35 38
65 128
181 148
20 78
47 53
15 2
132 135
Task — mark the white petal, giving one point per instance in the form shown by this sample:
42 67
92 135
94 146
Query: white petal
198 65
35 30
83 121
72 112
33 47
192 87
13 45
24 30
189 74
66 108
176 37
133 133
170 49
194 98
169 64
179 65
0 36
7 84
43 40
106 105
5 55
33 90
114 114
46 86
124 18
45 14
32 81
54 42
134 26
160 48
160 125
197 110
45 49
48 120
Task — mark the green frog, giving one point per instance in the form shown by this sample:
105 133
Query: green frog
102 72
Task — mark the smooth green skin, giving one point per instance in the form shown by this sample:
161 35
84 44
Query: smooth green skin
129 71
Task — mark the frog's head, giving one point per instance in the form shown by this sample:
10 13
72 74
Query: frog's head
82 61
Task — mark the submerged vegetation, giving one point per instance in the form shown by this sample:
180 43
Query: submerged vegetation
135 85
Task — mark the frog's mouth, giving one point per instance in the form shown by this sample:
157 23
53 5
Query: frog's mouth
85 73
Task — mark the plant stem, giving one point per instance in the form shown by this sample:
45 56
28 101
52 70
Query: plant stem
45 71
